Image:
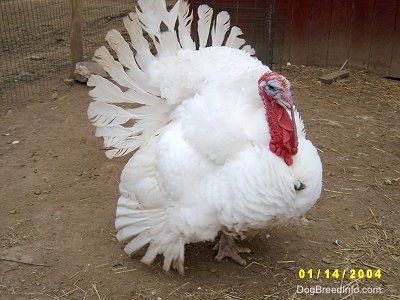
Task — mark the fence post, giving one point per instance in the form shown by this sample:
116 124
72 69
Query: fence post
76 41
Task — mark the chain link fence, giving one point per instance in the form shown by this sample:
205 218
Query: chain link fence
34 48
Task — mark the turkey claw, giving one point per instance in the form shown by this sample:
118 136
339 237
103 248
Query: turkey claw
227 248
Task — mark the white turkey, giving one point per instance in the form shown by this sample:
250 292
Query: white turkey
220 146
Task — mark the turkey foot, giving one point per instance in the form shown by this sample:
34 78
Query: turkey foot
227 248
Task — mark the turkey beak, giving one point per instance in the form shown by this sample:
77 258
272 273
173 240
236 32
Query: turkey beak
286 100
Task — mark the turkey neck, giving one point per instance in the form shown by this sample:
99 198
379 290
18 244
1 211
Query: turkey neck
282 129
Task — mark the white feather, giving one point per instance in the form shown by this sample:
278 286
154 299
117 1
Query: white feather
151 254
221 26
140 44
113 135
204 13
151 14
113 67
106 91
170 17
137 243
129 231
124 221
168 43
249 49
104 114
184 27
233 40
124 147
124 53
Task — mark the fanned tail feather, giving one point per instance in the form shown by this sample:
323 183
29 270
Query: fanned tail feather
129 73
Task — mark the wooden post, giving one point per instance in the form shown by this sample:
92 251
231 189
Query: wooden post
76 40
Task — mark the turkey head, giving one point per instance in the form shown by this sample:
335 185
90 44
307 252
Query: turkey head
274 90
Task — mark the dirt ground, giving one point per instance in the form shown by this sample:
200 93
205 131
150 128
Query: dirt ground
28 66
59 192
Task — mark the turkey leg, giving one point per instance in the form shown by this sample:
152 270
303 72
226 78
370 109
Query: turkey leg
227 248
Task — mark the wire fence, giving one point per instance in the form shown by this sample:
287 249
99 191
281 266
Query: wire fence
254 17
35 40
34 48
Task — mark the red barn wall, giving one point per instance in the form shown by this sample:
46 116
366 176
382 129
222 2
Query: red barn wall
324 32
329 32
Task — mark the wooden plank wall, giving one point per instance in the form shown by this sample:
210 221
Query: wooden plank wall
328 32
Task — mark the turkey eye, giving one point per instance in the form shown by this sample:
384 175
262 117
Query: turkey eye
271 88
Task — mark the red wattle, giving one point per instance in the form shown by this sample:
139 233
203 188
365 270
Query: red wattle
282 129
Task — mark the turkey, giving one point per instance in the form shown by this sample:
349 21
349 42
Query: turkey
219 146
